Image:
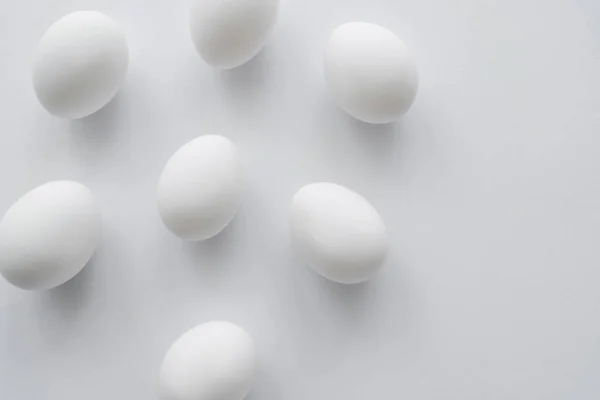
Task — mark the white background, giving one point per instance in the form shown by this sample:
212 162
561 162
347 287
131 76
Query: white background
490 187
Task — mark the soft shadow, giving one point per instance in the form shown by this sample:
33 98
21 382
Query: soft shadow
339 304
349 304
360 309
264 387
245 87
212 257
378 140
95 135
338 316
63 311
67 301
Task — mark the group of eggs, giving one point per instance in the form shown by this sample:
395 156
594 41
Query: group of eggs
82 59
51 232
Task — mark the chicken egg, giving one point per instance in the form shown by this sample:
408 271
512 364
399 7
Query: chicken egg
370 72
81 64
229 33
48 235
199 188
213 361
338 232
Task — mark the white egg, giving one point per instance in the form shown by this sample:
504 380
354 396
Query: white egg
338 232
81 64
370 72
213 361
49 235
228 33
199 188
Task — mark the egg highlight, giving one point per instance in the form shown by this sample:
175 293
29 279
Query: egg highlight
81 64
338 232
49 235
370 72
213 361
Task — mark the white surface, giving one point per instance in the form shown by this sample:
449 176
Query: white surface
489 188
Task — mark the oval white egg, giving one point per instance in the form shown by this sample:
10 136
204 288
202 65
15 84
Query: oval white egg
229 33
213 361
81 64
199 188
338 232
49 235
370 72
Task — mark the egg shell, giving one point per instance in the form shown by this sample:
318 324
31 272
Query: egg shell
338 232
199 188
49 235
81 64
228 33
370 72
213 361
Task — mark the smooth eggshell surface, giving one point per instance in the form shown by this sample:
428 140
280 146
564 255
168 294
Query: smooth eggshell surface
199 188
213 361
229 33
370 72
81 64
338 232
49 235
